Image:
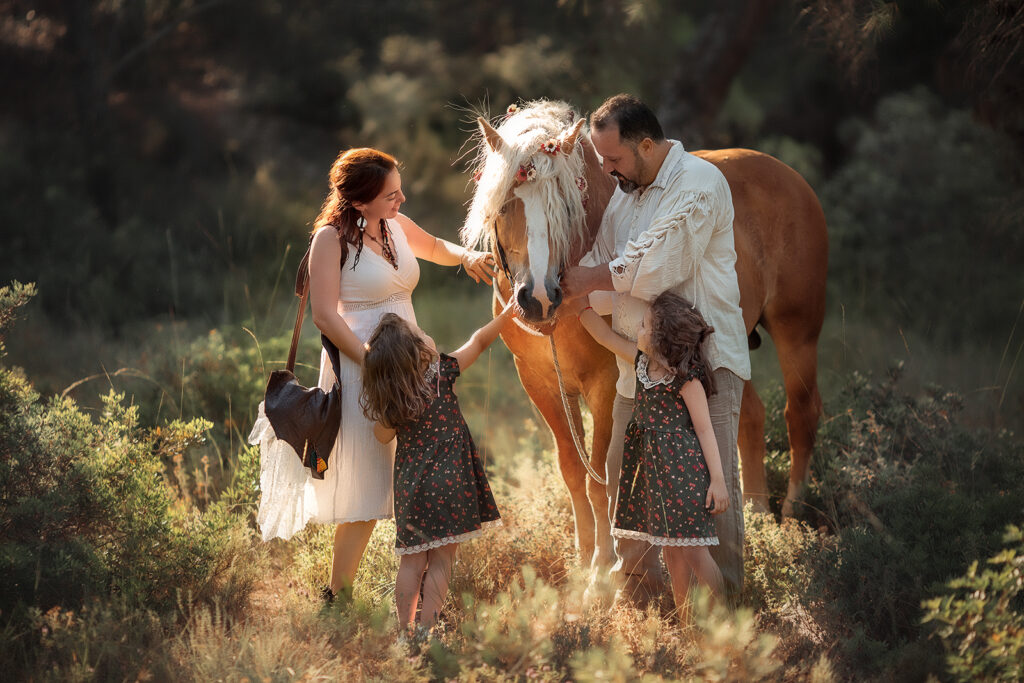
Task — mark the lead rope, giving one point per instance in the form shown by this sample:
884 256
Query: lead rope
581 450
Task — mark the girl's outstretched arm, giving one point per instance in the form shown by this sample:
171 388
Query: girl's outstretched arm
482 338
383 434
696 401
602 333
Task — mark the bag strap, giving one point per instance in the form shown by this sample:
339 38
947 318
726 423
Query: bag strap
302 291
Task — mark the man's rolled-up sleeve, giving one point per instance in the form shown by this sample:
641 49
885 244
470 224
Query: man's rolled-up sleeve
666 254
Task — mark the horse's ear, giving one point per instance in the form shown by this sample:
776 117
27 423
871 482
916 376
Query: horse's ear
494 140
570 137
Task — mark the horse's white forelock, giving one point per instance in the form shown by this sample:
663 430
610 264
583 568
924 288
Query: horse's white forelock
524 132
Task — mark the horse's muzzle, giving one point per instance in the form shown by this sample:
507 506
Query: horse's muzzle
534 309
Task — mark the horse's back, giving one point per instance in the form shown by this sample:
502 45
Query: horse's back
781 237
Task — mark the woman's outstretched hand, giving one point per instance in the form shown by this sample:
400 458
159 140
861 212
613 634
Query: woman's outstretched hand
479 264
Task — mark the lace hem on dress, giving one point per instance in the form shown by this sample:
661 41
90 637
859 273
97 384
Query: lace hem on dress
287 498
661 540
459 538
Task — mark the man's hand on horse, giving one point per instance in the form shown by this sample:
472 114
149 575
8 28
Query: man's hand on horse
479 264
578 281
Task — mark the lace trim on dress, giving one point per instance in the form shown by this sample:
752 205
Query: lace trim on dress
661 540
433 369
365 305
641 374
448 539
287 498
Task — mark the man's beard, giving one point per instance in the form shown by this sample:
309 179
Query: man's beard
625 184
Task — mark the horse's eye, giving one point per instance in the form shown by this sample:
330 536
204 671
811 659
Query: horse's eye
503 210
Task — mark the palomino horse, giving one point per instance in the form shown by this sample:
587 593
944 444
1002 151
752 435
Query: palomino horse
538 203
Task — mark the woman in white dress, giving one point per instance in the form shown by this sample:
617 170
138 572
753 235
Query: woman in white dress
378 276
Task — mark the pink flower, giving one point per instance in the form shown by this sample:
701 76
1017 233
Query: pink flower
512 109
581 183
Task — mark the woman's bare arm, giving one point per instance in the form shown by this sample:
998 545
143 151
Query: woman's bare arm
479 264
324 284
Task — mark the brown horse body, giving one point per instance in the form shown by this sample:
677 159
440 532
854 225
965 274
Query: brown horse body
782 253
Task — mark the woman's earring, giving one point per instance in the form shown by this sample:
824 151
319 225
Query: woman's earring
361 222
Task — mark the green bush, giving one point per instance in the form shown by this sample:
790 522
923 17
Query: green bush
980 619
913 496
925 221
87 512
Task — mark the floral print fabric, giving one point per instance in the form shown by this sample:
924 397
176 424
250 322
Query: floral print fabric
664 483
441 490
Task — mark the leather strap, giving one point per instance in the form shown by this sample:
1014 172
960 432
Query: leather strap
290 366
302 291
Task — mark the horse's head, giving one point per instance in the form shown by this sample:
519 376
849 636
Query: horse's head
529 203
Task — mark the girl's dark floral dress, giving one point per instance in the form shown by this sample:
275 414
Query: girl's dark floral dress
441 491
665 479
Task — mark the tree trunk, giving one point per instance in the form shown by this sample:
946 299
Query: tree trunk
693 94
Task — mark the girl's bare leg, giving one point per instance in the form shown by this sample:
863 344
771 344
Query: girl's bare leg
706 570
350 541
435 583
407 586
681 575
692 563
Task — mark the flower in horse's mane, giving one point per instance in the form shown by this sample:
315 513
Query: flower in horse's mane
512 109
581 183
551 147
477 176
526 173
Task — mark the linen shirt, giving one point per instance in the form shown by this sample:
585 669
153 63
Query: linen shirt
677 235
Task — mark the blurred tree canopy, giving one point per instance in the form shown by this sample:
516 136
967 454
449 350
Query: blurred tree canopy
158 156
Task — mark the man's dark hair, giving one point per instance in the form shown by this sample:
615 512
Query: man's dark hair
634 119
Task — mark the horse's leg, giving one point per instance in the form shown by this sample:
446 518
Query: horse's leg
751 444
549 403
600 397
798 358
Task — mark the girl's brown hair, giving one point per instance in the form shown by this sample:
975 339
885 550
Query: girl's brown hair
395 390
357 177
679 333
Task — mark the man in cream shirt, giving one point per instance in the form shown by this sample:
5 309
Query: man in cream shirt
668 226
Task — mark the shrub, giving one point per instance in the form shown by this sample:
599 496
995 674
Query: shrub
924 219
913 496
86 513
980 619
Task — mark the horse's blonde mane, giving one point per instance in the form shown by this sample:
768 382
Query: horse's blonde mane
524 132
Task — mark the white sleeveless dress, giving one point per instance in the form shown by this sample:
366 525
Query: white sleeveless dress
357 485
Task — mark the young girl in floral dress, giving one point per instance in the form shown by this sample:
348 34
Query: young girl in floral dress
672 481
441 493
